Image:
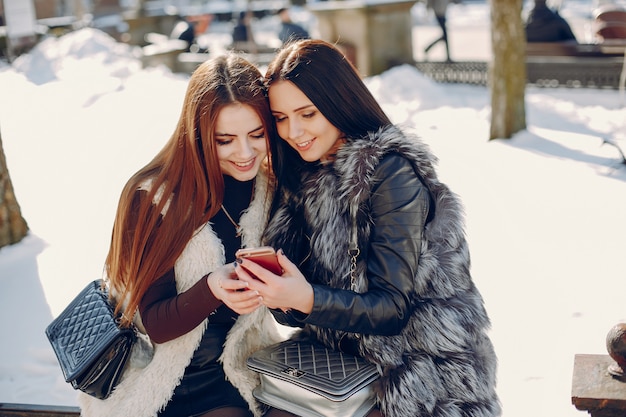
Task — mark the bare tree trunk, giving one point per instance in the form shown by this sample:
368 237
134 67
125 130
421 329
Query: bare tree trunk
13 227
507 69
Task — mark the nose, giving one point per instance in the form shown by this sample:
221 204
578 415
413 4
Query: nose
245 148
295 129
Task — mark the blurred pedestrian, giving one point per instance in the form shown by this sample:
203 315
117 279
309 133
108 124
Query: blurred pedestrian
243 38
546 25
440 8
189 28
290 31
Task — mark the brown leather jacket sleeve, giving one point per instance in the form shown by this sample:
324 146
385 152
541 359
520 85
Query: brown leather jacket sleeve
400 204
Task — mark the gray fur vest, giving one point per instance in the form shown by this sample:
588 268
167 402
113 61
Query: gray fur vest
442 364
148 384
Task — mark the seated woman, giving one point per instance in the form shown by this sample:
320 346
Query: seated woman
546 25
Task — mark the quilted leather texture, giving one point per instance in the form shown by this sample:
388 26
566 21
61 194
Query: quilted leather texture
314 367
84 330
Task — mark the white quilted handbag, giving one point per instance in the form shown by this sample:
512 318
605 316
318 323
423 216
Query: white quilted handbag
311 380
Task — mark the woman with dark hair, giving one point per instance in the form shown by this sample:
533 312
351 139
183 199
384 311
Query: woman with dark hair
179 222
372 244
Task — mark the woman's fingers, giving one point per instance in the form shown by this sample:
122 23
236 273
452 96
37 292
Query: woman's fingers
249 271
233 292
232 284
224 279
242 300
288 266
289 290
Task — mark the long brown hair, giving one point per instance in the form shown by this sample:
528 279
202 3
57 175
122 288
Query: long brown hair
182 187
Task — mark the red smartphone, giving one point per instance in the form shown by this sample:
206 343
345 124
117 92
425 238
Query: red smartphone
264 256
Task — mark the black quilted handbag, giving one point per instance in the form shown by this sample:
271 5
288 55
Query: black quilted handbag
311 380
90 346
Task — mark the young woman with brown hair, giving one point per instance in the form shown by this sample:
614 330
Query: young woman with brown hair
179 222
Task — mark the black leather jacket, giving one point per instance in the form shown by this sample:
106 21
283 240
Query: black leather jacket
416 312
400 206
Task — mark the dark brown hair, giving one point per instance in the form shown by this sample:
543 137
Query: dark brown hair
322 72
182 187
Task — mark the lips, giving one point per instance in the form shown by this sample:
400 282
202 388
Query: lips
303 146
244 166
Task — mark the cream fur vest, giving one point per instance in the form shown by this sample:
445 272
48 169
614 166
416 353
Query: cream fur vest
146 388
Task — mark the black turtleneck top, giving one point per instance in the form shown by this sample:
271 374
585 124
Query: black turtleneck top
167 315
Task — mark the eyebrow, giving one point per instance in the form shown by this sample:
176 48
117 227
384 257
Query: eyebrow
233 135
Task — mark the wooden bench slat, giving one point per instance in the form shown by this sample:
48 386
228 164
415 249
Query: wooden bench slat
37 410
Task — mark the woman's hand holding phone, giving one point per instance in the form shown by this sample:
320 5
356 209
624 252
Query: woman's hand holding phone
283 288
264 256
225 286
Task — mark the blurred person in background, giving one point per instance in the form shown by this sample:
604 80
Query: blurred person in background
290 31
546 25
440 8
189 28
243 38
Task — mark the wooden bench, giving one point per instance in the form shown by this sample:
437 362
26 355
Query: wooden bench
615 48
547 65
599 381
37 410
575 65
165 52
187 62
574 72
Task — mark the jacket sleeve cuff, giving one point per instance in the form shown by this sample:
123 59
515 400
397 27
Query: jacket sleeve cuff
315 315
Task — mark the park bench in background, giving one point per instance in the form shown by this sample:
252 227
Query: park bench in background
558 64
547 65
575 65
37 410
599 381
187 62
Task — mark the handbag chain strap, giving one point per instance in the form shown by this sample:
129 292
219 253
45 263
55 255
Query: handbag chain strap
353 249
353 252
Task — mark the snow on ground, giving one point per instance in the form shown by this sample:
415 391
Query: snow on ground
545 210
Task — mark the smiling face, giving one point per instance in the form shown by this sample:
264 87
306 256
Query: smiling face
301 124
241 144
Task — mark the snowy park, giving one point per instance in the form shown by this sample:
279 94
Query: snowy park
545 210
